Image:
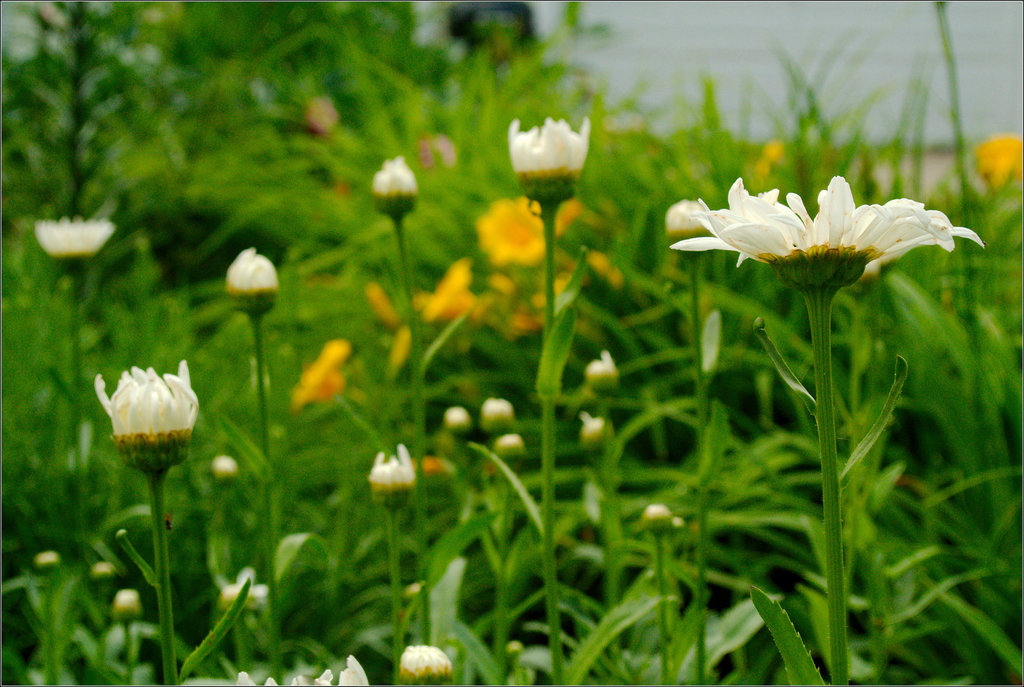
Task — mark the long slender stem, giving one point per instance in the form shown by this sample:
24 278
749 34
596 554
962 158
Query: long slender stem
502 582
419 414
665 639
51 662
611 519
395 571
271 504
548 456
819 308
79 49
163 576
701 395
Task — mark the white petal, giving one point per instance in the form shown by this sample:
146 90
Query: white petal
703 243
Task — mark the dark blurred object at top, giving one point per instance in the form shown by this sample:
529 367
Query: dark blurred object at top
500 27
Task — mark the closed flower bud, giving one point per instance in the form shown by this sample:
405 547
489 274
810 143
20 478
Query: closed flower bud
252 278
392 478
394 188
592 431
102 570
46 560
152 417
256 599
224 468
657 517
681 221
73 238
514 649
509 446
457 420
126 606
601 374
548 160
425 665
496 415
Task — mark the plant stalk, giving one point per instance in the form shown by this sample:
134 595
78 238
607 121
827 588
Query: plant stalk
395 572
548 211
701 396
666 640
163 576
819 308
419 414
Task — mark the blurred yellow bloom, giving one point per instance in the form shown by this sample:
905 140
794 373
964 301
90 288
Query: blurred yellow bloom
432 465
322 380
524 322
561 281
381 305
1000 159
567 214
770 154
400 349
511 233
501 283
452 297
600 263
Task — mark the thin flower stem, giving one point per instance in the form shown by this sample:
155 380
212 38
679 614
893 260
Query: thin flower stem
419 414
271 506
548 457
665 639
819 308
163 576
395 572
502 580
611 521
701 395
52 665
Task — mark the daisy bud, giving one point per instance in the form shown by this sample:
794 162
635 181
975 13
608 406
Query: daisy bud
457 420
224 468
681 221
548 160
657 517
152 417
73 238
425 665
126 606
392 478
46 560
601 374
509 446
592 432
496 414
102 570
252 279
394 188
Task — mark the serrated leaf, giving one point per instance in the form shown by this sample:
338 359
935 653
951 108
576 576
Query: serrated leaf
289 548
555 354
799 665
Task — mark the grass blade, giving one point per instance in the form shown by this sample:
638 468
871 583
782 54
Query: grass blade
531 506
611 626
883 418
219 631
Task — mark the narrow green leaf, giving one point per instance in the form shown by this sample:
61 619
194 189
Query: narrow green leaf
126 544
883 418
780 364
712 449
445 549
993 635
289 549
799 665
478 653
440 341
531 506
611 626
362 423
572 289
244 447
217 634
555 353
711 340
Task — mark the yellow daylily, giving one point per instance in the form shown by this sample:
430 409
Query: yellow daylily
323 379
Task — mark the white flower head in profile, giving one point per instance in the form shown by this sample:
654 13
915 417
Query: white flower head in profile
681 222
457 420
353 675
510 446
127 605
394 179
496 414
152 417
73 238
425 665
252 274
592 431
257 592
548 160
601 374
392 476
829 250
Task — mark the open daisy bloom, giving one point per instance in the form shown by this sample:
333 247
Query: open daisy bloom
834 247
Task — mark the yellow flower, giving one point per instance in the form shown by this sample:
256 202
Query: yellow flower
511 233
400 349
567 214
322 380
770 154
381 306
600 263
1000 159
452 297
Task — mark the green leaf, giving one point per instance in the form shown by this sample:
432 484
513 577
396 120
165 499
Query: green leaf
126 544
568 295
883 418
244 447
528 502
445 549
711 340
611 626
780 364
555 353
478 653
440 341
289 549
799 665
362 423
1004 647
217 634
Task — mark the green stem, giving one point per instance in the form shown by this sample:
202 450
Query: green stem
659 569
548 456
271 506
611 519
701 395
52 665
396 593
502 582
131 651
819 308
419 414
163 576
79 50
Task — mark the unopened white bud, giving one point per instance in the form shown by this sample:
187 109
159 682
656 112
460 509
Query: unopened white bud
457 420
127 605
102 570
681 220
496 415
601 374
45 560
592 431
392 478
252 274
510 446
224 468
425 665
